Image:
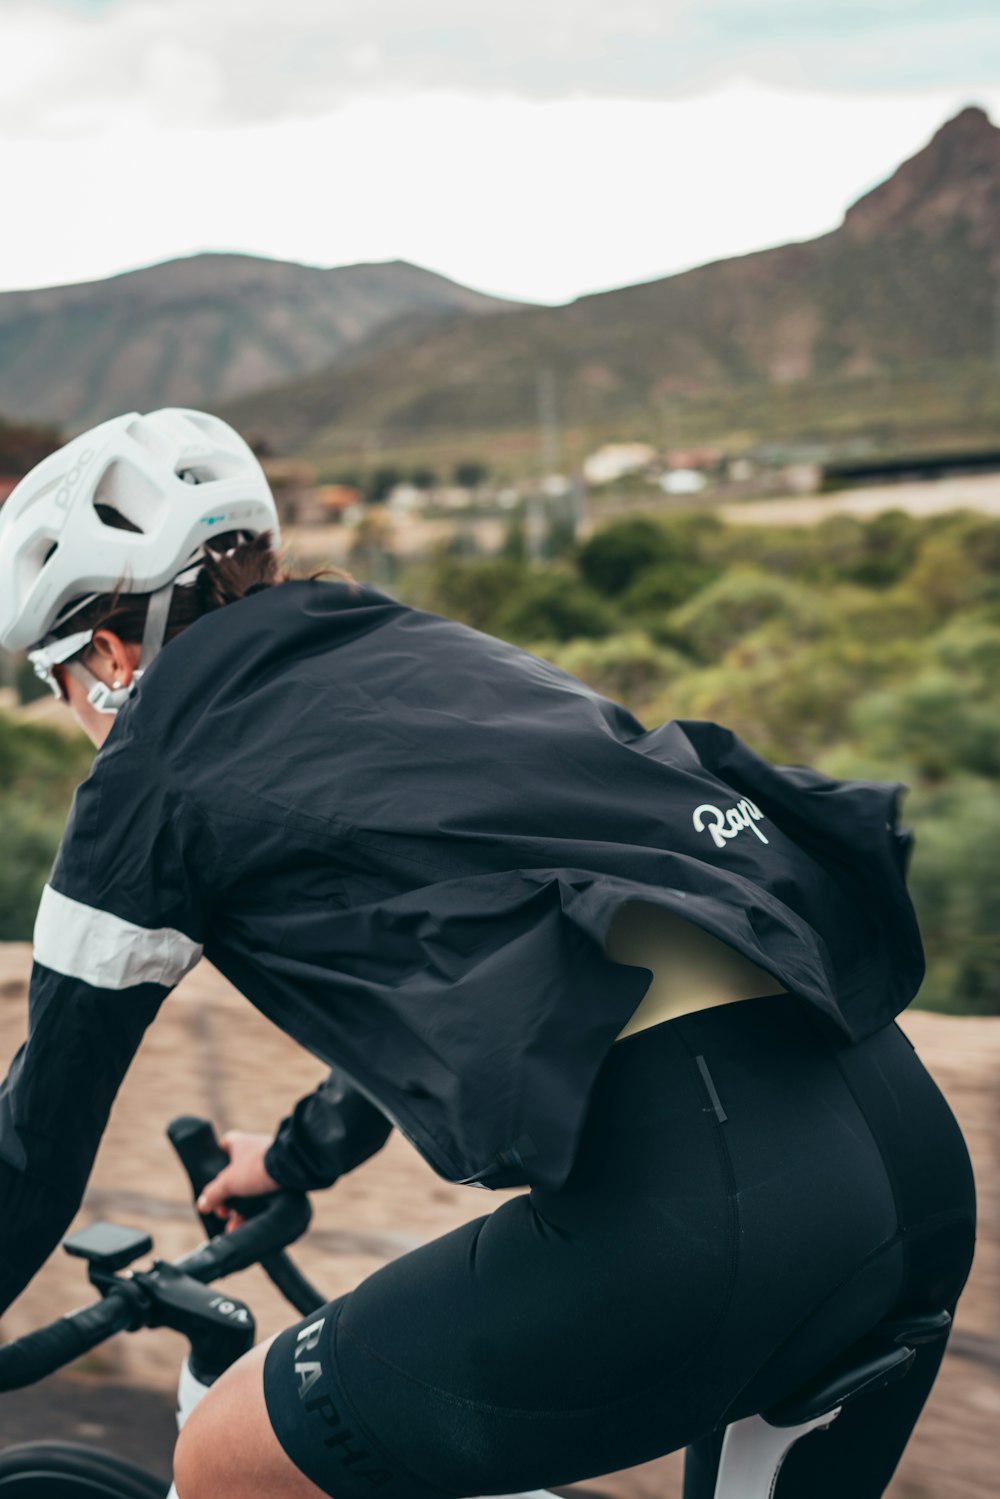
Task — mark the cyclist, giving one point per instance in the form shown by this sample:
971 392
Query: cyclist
642 973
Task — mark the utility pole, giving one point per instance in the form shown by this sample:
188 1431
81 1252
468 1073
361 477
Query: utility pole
578 504
536 510
372 450
535 527
548 422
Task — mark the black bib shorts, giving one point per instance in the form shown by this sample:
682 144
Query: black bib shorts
750 1196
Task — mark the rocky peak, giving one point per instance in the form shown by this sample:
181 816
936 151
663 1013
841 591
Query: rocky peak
955 176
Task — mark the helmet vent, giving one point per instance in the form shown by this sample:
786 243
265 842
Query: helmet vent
33 561
147 437
125 493
206 469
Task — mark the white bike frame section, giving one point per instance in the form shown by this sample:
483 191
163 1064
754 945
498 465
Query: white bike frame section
189 1391
752 1454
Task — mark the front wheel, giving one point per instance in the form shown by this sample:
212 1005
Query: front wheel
61 1470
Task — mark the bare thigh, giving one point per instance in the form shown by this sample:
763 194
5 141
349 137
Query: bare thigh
228 1449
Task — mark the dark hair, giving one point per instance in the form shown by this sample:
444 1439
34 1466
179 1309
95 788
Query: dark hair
231 568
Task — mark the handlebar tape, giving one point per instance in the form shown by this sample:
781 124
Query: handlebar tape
41 1353
284 1220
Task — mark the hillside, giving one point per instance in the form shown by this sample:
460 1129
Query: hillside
201 330
907 282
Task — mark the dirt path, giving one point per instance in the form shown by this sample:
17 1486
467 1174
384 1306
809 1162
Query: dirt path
210 1053
974 492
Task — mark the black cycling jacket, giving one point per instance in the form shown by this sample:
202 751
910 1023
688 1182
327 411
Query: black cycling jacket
404 841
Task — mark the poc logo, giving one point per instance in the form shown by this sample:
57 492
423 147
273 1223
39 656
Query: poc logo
67 485
724 825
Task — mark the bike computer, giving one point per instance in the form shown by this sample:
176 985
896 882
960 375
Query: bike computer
108 1246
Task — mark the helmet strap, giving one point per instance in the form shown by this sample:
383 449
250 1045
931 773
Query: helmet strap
157 614
109 699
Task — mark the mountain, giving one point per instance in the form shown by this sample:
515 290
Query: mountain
201 330
909 279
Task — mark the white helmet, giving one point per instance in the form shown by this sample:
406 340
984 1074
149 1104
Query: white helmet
179 476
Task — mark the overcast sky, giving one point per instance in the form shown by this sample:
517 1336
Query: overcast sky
535 148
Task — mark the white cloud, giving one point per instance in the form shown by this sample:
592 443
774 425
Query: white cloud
71 68
533 149
526 198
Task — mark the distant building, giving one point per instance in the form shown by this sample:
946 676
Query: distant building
454 497
702 459
402 498
293 486
803 478
739 470
617 459
339 501
683 481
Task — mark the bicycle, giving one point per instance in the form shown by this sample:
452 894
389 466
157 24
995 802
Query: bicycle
220 1329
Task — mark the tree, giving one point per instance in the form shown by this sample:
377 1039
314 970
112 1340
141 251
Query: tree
617 554
515 539
890 546
382 482
553 606
469 474
659 589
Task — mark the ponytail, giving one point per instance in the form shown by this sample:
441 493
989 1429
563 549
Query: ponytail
230 569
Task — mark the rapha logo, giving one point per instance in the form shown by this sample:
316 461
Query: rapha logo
308 1370
724 825
338 1437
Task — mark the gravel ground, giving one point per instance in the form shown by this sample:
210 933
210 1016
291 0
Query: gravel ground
210 1053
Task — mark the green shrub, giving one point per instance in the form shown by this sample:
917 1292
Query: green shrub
897 613
615 556
473 591
553 606
659 589
38 770
935 721
630 667
943 577
970 644
30 838
953 882
889 547
720 615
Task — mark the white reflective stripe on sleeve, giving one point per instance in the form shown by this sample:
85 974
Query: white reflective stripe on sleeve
85 943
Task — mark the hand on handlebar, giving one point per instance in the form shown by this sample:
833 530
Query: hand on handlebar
245 1176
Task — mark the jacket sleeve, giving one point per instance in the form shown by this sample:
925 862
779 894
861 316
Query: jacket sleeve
119 923
326 1135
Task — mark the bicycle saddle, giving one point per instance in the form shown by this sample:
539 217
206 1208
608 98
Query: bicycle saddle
884 1354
